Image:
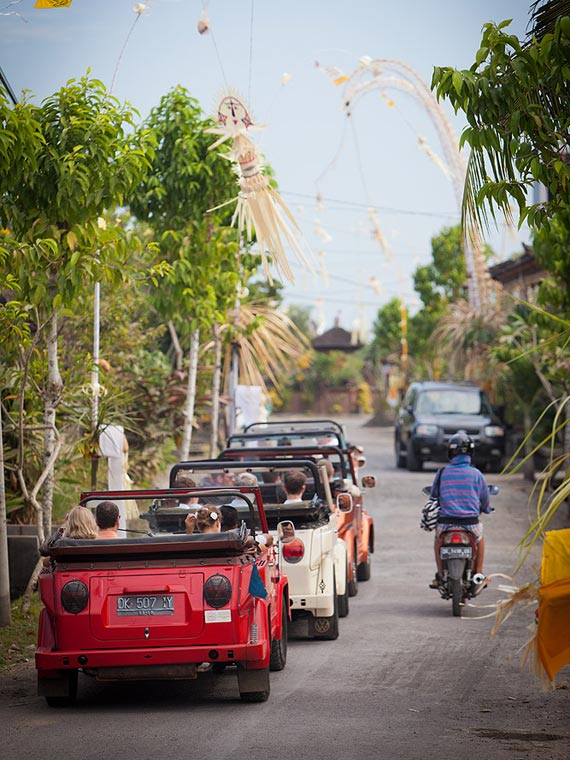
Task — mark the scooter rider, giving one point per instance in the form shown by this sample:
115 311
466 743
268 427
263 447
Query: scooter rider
463 495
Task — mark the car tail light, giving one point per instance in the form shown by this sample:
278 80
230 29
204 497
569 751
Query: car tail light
293 551
217 591
459 538
74 596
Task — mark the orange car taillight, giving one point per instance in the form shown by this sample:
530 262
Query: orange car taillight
217 591
74 596
293 551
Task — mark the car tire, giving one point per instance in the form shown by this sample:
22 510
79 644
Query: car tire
353 581
343 606
279 646
364 568
413 462
400 458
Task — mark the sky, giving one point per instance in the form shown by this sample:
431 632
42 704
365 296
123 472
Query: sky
331 169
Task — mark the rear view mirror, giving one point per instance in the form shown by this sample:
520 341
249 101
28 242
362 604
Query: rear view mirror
344 502
493 490
426 490
369 481
285 531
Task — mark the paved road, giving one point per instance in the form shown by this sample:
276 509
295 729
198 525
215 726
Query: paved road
405 680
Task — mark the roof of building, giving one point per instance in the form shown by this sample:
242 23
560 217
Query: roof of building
335 339
513 268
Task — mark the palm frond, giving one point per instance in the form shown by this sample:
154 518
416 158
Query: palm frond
543 17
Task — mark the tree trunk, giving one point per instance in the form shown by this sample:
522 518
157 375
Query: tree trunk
216 390
52 398
190 396
5 611
178 353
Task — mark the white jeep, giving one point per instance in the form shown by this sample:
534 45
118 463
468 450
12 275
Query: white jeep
310 551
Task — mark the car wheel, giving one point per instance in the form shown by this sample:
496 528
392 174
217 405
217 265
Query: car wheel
353 580
343 608
279 646
400 457
364 569
413 461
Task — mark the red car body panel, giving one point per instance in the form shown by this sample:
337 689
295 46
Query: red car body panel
112 635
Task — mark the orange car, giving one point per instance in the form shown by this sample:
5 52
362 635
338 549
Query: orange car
356 527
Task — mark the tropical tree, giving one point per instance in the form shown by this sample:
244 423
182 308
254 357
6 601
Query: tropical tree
64 162
177 199
515 100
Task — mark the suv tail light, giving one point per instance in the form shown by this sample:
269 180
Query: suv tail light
217 591
293 551
74 597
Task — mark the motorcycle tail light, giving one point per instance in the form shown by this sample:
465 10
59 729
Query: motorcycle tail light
293 551
217 591
74 597
459 538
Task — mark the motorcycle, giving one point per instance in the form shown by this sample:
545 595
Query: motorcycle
457 551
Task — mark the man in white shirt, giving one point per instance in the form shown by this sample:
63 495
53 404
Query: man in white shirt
294 483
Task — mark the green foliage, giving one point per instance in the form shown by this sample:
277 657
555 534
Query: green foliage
187 178
387 332
551 246
301 317
67 161
18 640
515 98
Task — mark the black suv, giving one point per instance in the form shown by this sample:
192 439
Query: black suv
432 412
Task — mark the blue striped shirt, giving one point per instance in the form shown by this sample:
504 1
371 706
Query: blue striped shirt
463 492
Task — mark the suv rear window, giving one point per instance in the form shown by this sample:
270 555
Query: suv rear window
449 401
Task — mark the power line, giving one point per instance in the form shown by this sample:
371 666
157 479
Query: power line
350 205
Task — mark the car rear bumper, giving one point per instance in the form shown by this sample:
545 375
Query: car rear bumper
255 655
429 449
318 604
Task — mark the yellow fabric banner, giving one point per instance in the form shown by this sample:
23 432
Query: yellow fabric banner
555 556
52 4
553 633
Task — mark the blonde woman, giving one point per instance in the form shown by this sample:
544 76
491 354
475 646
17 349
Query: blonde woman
207 519
80 524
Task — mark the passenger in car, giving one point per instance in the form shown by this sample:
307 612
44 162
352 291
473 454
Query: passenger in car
230 520
80 523
207 519
295 483
229 517
183 480
107 518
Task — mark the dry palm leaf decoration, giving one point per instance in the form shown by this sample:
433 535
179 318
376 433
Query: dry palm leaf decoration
259 208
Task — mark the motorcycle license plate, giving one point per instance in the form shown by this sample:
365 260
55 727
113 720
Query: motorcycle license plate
455 552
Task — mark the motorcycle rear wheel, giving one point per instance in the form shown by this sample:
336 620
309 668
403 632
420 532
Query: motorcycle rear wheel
456 596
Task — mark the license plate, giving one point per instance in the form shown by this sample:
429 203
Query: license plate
455 552
147 604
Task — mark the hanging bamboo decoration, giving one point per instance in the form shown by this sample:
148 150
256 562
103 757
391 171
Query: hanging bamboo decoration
259 209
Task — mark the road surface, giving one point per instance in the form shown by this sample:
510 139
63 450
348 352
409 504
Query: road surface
404 680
